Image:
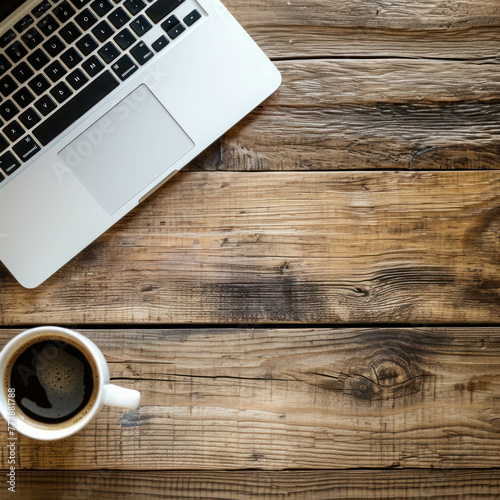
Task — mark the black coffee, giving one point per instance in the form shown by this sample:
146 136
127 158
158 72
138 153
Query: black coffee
53 381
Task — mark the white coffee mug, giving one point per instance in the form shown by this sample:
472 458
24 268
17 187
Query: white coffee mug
104 393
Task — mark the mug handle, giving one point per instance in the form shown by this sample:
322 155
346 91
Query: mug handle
114 395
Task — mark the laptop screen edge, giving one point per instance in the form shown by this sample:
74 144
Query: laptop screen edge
7 7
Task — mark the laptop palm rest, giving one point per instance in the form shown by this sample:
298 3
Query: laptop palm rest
126 149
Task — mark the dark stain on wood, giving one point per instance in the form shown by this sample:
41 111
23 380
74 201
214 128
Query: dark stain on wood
484 291
483 241
456 157
284 266
257 456
484 237
477 385
130 418
280 297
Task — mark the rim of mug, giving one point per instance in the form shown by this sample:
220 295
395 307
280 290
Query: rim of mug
40 433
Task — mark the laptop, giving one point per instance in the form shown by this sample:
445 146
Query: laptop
103 101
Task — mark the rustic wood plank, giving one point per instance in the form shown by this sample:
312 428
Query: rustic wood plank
291 398
391 14
285 42
326 28
371 114
266 247
248 485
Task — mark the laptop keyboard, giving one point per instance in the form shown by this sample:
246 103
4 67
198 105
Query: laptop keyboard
64 57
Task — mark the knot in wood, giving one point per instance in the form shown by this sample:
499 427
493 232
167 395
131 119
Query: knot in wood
389 373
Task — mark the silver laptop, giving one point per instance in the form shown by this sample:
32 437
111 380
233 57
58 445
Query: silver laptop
101 102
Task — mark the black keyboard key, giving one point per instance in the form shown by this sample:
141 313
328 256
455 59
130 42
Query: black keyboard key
140 25
54 46
23 24
13 131
6 38
134 6
71 58
87 45
55 71
4 144
48 25
170 23
22 72
39 84
124 67
41 9
124 39
161 9
2 177
29 118
38 59
16 51
7 85
70 33
45 105
23 97
118 18
85 19
32 38
141 53
176 31
192 17
8 110
26 148
109 52
80 3
103 31
64 11
74 109
61 92
5 65
160 44
77 79
93 66
101 7
9 163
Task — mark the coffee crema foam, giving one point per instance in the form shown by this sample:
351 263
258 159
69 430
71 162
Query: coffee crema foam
55 379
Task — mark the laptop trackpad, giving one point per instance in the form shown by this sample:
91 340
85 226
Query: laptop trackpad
127 149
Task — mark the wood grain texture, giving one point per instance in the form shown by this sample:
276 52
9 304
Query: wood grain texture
248 485
417 110
290 398
370 114
420 92
267 247
440 29
404 15
336 41
367 86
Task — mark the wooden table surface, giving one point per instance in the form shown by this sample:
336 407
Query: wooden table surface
318 291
